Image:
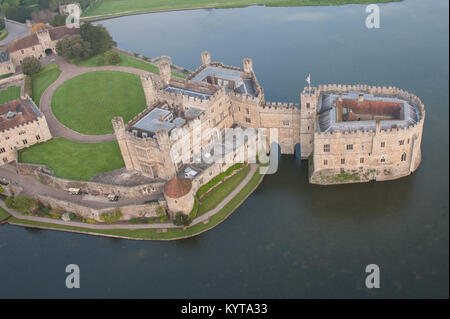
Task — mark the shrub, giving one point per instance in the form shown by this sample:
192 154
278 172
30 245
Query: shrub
181 219
160 211
73 47
163 219
31 65
112 57
112 216
28 87
101 60
1 189
134 220
22 203
2 23
90 220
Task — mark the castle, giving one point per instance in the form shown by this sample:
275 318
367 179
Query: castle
38 44
21 125
348 133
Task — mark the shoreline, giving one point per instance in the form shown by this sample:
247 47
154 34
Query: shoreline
108 16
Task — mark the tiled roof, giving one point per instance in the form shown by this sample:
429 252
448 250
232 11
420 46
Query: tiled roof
23 110
23 43
60 32
177 187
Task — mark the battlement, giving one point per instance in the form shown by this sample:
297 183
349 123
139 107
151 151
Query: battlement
279 107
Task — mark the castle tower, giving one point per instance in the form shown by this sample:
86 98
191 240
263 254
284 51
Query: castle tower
308 112
206 58
247 65
169 171
149 88
44 39
165 72
119 130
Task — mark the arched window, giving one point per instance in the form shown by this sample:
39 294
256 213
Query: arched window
403 157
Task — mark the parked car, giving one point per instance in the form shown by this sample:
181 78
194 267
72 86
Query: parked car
113 198
75 191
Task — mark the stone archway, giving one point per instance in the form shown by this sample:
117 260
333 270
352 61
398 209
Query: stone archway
48 51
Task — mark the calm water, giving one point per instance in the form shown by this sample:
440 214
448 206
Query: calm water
289 239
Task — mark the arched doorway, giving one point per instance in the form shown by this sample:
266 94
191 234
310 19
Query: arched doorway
48 51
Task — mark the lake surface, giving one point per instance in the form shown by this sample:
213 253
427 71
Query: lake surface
289 239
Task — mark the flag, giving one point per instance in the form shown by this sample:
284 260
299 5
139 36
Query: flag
308 79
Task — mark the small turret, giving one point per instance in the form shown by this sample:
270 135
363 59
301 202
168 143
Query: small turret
206 58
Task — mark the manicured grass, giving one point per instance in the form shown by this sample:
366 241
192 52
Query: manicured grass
43 79
171 233
4 76
107 7
3 214
88 102
72 160
9 94
3 34
126 61
213 198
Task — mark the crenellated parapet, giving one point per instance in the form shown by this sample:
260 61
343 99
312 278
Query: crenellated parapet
279 107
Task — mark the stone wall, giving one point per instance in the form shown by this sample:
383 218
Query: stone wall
41 174
128 212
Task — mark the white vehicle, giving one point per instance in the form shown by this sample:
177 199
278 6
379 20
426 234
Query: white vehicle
113 198
75 191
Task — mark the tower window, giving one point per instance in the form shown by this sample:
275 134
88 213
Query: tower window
401 142
326 148
349 147
383 144
361 160
325 162
403 157
308 105
342 161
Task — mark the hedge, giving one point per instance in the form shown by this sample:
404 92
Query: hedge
28 86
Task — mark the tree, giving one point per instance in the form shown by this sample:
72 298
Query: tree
58 20
73 47
181 219
99 38
20 14
2 24
30 65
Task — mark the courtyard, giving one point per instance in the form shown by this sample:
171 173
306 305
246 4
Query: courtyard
88 102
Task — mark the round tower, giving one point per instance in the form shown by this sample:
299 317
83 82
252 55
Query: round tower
179 195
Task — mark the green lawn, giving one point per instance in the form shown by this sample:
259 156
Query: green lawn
213 198
9 94
3 214
3 34
126 61
43 79
88 102
171 233
104 7
72 160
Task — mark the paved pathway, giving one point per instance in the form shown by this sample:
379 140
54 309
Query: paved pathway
32 187
16 30
197 220
69 71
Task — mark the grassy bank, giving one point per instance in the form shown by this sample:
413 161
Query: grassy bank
43 79
153 233
72 160
213 198
88 102
125 61
9 94
121 7
3 214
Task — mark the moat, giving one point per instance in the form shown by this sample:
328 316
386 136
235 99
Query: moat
290 238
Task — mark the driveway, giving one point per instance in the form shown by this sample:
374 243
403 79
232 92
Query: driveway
16 30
